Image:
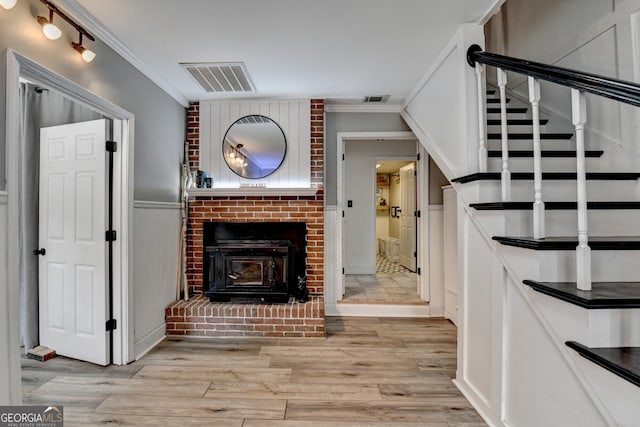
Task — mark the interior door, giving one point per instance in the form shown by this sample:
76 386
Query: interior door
72 268
407 216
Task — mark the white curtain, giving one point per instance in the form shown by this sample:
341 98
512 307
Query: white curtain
40 108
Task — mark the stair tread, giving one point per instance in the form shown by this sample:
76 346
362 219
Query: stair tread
622 361
512 110
603 295
605 176
560 243
545 153
525 136
506 206
516 122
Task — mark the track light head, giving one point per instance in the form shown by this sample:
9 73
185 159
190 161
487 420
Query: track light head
49 29
87 54
7 4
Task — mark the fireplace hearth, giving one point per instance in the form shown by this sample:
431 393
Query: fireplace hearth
253 262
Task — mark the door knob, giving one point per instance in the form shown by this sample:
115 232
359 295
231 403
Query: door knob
42 251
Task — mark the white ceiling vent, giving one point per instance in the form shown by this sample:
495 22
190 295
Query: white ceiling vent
375 99
221 76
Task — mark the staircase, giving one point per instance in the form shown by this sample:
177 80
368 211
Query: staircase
609 338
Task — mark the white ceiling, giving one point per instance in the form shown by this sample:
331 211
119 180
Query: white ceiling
339 50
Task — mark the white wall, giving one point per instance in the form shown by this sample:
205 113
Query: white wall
360 183
438 111
293 116
156 230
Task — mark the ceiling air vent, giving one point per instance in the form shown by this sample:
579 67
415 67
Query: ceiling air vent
221 76
375 99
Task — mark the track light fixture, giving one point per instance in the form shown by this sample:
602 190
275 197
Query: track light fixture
49 29
237 156
7 4
52 32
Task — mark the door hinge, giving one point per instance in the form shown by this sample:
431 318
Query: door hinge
110 235
419 271
112 146
342 214
416 214
415 254
112 325
343 156
342 270
415 172
418 157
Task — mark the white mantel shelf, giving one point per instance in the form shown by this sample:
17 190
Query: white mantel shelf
252 191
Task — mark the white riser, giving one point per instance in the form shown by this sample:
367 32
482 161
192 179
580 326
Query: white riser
549 164
527 144
565 223
552 190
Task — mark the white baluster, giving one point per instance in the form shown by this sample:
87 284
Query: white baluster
506 175
482 119
538 204
583 251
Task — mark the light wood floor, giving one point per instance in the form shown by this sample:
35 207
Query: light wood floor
368 372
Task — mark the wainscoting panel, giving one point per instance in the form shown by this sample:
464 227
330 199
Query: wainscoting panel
156 229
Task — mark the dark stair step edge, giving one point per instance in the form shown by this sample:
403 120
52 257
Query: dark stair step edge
519 176
516 122
569 243
603 295
546 153
497 100
510 110
491 91
622 361
550 206
527 136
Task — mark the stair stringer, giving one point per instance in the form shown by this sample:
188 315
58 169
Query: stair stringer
516 395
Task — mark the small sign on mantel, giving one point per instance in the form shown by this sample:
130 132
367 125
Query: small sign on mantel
253 185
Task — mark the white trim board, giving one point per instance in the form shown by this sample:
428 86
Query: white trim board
4 197
363 108
145 204
379 310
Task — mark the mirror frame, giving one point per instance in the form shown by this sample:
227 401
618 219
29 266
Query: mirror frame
284 154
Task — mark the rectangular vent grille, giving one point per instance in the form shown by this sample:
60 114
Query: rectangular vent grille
375 99
221 76
253 120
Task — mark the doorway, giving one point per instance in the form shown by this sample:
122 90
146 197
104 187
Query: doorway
352 221
21 67
395 279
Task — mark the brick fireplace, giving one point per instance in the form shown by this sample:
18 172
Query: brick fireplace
199 316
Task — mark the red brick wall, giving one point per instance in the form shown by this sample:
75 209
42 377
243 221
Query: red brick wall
307 209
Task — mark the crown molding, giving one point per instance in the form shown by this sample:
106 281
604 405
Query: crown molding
363 108
94 26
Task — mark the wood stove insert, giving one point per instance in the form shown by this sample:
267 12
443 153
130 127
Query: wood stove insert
253 262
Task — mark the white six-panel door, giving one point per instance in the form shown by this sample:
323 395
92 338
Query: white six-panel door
407 256
72 282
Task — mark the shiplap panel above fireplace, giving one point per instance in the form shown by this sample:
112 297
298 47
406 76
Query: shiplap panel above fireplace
293 116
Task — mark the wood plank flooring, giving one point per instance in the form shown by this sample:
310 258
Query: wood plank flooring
368 372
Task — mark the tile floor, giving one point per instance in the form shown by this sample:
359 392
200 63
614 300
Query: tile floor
391 284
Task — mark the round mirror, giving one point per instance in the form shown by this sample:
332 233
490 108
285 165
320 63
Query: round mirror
254 147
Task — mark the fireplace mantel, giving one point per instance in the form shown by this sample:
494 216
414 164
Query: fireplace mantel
253 191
